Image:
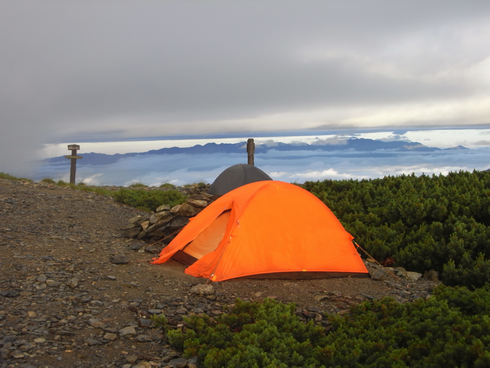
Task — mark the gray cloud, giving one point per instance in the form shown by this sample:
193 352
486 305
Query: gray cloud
110 70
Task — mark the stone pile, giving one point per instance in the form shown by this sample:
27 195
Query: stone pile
165 223
380 273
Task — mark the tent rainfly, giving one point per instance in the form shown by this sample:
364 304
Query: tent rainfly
266 229
235 176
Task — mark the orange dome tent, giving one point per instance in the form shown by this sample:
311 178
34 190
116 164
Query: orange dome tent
266 229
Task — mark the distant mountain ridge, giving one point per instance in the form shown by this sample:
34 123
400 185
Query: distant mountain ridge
351 144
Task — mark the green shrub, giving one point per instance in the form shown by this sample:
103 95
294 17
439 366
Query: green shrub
48 180
10 177
148 200
159 320
439 222
434 332
474 273
469 302
426 333
252 334
138 185
168 185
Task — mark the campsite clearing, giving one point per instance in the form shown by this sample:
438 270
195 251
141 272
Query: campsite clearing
64 304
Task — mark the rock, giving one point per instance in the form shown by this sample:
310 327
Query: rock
155 335
143 338
131 358
175 209
199 203
131 232
163 207
19 355
187 210
10 293
110 336
369 297
319 298
177 363
181 311
162 216
413 276
52 283
137 245
154 248
203 289
137 220
127 331
119 259
143 365
400 271
143 322
178 223
41 278
194 360
378 274
73 283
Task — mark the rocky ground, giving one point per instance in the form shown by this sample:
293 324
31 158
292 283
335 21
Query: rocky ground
75 293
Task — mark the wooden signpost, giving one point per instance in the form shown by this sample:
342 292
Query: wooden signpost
74 158
250 151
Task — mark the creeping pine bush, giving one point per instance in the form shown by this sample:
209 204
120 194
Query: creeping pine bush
440 331
148 200
422 222
10 177
264 334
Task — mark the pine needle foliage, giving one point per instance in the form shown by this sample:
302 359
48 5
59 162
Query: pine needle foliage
136 196
434 332
439 222
148 200
10 177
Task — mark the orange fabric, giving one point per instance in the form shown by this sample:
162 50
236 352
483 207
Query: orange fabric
273 227
208 240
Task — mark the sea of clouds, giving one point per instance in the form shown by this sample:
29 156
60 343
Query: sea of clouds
290 166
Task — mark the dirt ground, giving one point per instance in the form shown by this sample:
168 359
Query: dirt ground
63 303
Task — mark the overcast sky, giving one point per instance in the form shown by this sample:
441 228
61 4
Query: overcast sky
72 71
